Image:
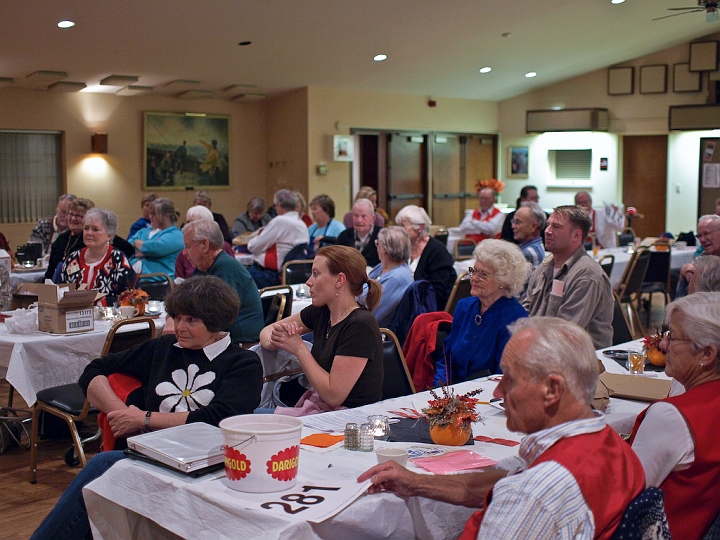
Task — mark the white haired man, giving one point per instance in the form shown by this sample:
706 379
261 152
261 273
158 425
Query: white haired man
570 460
485 221
363 234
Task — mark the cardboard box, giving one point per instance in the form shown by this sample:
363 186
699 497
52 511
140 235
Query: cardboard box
69 314
24 295
636 386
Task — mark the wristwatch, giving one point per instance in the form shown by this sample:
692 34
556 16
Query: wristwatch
147 421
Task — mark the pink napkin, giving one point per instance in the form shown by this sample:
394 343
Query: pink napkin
462 460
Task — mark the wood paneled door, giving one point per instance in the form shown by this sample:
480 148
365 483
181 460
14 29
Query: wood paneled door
645 181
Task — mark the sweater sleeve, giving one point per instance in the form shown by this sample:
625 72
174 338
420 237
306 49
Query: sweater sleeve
163 244
134 362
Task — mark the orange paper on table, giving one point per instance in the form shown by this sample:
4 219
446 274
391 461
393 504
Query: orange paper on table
321 440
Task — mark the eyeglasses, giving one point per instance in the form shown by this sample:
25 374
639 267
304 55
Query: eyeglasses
482 276
665 332
76 216
702 235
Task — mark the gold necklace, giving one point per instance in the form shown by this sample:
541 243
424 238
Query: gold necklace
329 326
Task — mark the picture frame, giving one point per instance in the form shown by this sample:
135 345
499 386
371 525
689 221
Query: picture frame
518 158
184 151
685 80
653 79
703 56
343 148
621 81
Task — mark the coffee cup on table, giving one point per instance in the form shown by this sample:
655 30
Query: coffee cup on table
398 455
128 311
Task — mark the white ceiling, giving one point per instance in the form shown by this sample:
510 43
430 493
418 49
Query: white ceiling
434 48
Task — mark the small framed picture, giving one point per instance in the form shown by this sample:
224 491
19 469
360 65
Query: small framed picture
621 81
653 79
343 148
685 80
518 162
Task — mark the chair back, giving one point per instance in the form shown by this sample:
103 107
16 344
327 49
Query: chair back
659 268
627 236
607 262
158 285
632 279
464 248
620 325
460 290
644 518
396 379
268 300
442 236
121 341
294 272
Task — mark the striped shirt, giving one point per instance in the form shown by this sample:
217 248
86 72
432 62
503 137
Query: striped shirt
544 501
533 251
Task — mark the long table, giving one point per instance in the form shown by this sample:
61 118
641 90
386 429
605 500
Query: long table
138 500
37 361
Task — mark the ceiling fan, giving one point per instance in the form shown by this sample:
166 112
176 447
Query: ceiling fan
710 7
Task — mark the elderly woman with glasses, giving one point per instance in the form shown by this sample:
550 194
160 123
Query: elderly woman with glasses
676 437
479 330
393 272
429 258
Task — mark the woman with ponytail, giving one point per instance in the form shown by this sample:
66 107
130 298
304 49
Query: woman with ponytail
345 365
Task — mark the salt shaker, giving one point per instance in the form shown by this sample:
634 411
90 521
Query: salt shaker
352 436
367 438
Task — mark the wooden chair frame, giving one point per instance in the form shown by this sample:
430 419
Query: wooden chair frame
607 268
71 419
461 280
390 335
286 292
463 242
283 271
162 275
629 295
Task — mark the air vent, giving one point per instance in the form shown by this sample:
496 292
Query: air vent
540 121
693 117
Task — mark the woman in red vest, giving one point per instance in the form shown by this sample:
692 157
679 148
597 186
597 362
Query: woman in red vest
676 438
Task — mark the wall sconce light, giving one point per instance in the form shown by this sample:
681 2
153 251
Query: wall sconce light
99 143
322 169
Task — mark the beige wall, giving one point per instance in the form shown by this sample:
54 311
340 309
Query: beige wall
114 180
636 114
334 111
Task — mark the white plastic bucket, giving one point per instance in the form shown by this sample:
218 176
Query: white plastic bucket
262 451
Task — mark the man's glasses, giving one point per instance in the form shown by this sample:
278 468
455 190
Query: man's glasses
482 276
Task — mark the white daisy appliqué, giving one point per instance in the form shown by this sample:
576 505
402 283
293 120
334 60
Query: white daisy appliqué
186 394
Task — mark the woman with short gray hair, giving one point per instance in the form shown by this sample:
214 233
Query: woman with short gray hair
429 258
98 265
393 273
480 322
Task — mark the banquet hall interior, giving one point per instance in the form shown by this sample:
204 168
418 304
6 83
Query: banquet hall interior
458 83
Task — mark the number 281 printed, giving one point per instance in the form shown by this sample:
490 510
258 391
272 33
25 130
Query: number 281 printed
304 501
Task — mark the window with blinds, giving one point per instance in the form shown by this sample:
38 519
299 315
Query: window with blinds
572 164
31 175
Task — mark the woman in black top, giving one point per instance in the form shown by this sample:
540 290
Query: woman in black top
345 366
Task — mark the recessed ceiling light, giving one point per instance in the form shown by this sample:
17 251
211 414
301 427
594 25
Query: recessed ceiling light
486 69
380 57
66 24
616 1
531 74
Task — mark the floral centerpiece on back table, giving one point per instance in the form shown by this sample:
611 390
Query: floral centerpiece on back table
496 185
451 416
134 297
651 346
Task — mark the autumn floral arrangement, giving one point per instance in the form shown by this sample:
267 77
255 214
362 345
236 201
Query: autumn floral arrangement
651 346
496 185
133 297
451 409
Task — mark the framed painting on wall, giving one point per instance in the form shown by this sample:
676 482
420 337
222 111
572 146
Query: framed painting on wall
518 162
621 81
653 79
685 80
343 148
184 151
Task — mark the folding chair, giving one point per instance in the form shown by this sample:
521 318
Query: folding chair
294 272
441 235
464 248
607 262
621 328
627 236
657 280
628 289
460 290
158 285
396 379
68 401
270 303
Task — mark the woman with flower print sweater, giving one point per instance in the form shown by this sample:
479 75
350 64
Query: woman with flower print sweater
196 375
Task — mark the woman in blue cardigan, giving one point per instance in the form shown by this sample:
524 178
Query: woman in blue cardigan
479 329
157 246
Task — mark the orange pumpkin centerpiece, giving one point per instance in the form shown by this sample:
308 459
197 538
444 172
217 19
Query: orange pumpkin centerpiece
451 416
134 297
651 344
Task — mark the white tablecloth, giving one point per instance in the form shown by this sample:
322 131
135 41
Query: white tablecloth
31 363
133 500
